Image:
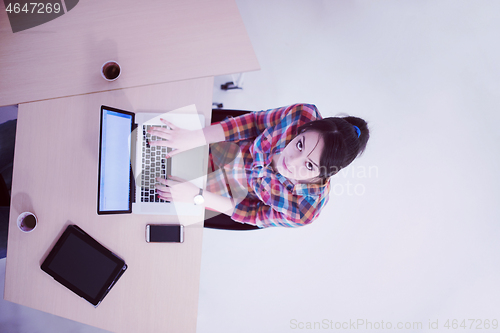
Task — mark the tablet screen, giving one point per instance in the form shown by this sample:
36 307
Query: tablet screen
83 265
87 268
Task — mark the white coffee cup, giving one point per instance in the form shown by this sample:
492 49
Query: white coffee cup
111 70
27 222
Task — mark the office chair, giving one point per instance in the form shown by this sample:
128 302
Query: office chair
7 142
4 193
222 221
4 217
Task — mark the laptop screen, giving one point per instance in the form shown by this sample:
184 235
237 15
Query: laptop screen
114 162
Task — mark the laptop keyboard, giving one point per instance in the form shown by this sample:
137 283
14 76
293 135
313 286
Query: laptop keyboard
154 165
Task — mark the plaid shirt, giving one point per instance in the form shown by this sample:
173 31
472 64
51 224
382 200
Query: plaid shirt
262 196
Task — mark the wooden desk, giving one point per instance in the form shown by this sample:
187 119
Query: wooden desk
154 41
63 190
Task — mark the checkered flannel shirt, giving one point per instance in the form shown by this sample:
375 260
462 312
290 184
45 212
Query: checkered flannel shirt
261 195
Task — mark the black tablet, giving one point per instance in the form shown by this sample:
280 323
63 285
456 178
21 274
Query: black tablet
83 265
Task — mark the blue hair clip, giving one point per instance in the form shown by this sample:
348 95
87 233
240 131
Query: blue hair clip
356 128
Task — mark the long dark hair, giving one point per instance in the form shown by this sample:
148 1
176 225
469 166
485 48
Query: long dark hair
342 143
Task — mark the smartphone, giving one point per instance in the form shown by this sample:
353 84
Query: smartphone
164 233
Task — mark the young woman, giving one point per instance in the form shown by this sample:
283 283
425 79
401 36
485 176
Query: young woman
279 175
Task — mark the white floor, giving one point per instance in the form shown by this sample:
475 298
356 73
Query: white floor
7 113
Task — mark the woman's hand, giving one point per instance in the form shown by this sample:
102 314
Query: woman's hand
176 189
179 190
177 138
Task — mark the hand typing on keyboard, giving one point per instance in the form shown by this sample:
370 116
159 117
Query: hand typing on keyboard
176 189
177 138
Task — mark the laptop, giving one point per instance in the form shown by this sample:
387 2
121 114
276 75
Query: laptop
128 165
